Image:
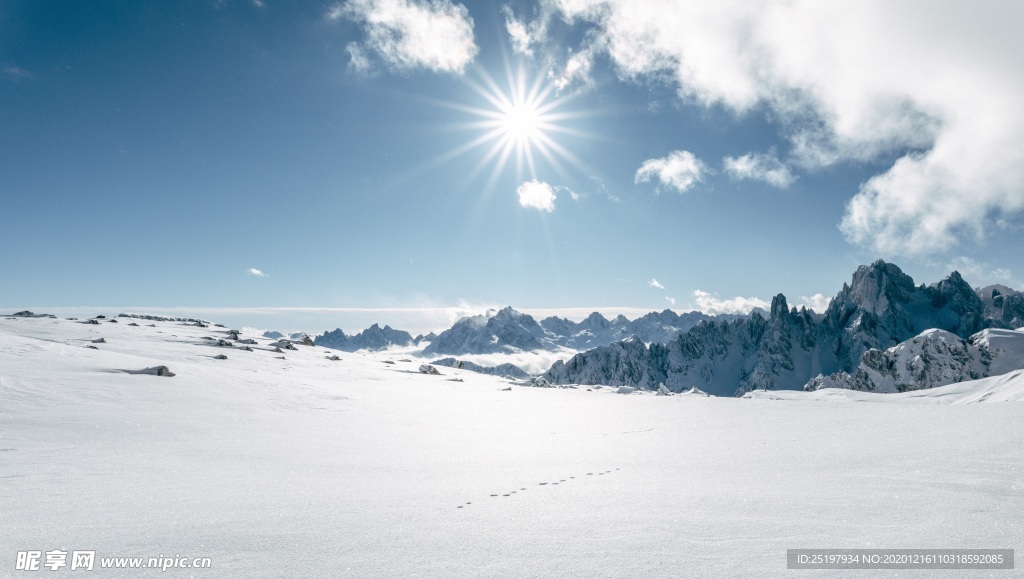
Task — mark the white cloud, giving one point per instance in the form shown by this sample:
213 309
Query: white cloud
760 167
710 303
979 273
358 60
680 170
575 70
671 300
407 34
534 194
654 283
255 272
935 85
818 302
518 34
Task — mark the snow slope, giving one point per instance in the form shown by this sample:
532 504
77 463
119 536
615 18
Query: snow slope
363 467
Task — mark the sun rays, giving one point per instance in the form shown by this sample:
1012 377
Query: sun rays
517 125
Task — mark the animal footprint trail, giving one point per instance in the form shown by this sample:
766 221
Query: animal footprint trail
547 483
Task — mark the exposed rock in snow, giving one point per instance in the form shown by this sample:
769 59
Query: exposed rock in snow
99 341
625 390
506 370
220 357
428 369
28 314
155 371
663 391
273 335
159 318
696 392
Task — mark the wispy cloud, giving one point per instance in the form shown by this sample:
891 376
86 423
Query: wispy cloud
680 170
711 303
671 300
255 272
406 34
759 167
518 34
980 273
655 284
576 70
534 194
15 73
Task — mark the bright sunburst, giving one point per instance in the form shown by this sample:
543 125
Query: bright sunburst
521 121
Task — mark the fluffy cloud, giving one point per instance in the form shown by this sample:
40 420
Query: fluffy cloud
934 86
255 272
680 170
534 194
710 303
760 167
654 283
407 34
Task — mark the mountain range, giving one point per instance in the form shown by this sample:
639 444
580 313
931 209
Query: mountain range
508 331
788 348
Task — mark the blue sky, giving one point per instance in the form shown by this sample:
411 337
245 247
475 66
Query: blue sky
246 154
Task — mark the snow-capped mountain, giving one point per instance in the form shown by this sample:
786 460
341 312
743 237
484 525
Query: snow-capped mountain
508 330
880 308
596 330
372 338
505 331
719 357
932 358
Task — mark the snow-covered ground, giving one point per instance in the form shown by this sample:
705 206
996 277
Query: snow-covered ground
308 467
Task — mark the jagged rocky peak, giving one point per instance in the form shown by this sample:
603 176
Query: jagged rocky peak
875 287
596 321
779 308
1003 305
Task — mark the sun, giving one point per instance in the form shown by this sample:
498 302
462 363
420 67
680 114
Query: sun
518 124
521 122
